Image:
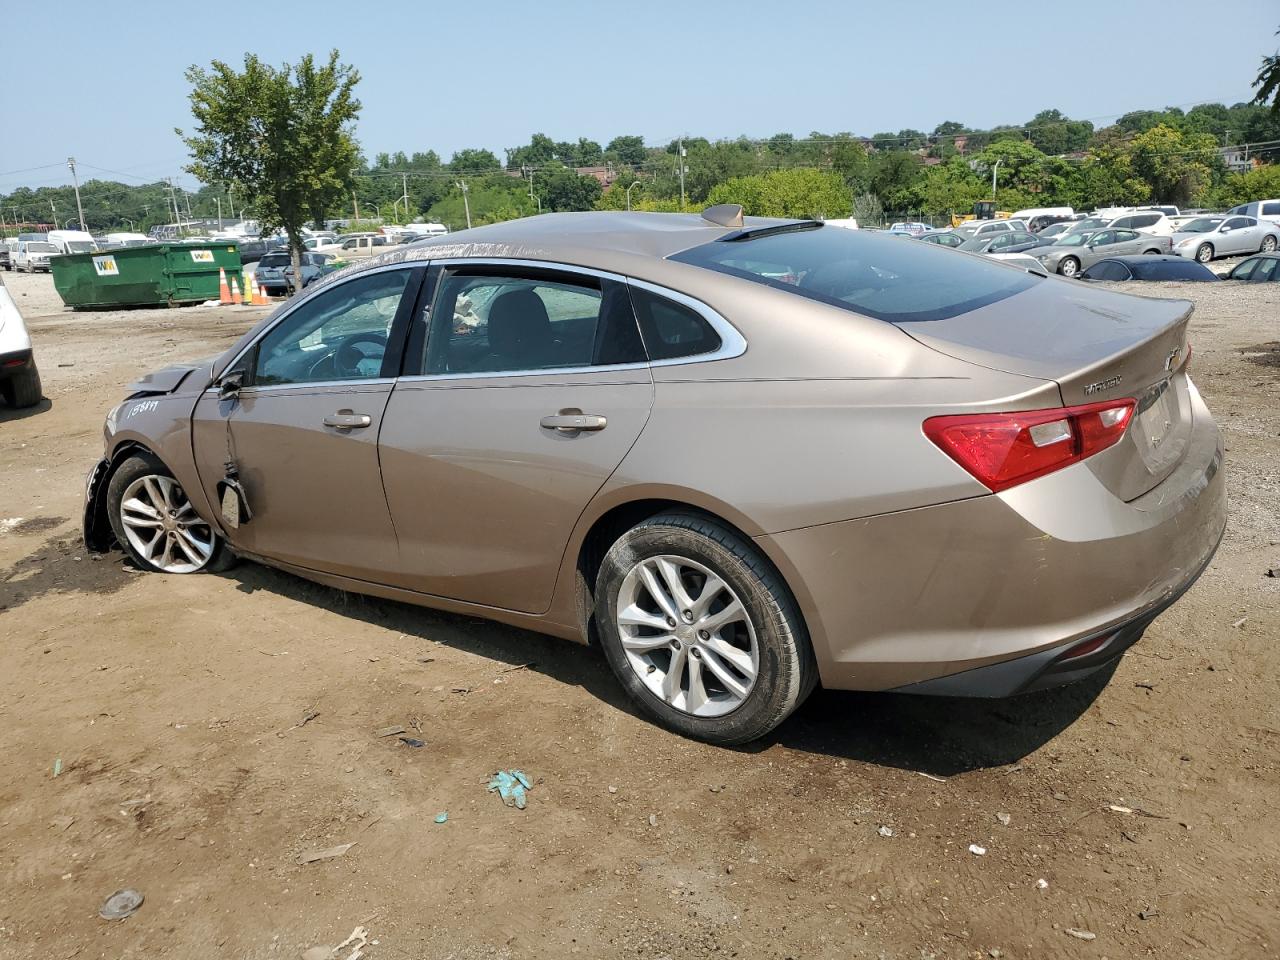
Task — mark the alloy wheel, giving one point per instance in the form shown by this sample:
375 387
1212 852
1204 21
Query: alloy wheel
687 635
163 527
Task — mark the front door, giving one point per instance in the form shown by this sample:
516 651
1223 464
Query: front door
303 433
534 386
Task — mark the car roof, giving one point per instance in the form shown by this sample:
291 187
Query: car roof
627 243
1133 258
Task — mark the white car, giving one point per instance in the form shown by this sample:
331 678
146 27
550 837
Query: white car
1261 209
1151 222
19 378
984 228
1223 235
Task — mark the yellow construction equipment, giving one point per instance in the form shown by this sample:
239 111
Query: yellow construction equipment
982 210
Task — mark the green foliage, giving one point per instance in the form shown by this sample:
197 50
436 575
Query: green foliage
474 161
561 189
893 177
627 149
1175 166
796 192
1237 188
281 137
493 199
1268 82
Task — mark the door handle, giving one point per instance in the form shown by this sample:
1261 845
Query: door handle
346 420
573 422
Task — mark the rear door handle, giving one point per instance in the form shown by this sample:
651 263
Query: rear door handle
574 422
346 420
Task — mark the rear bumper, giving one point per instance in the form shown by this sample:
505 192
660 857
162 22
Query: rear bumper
989 593
15 362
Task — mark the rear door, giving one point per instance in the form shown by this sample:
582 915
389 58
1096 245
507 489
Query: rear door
524 389
303 432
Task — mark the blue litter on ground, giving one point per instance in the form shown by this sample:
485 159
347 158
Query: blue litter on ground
442 816
510 786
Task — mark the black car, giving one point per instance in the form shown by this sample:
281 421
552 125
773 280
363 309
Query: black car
1264 268
1147 267
1013 241
251 251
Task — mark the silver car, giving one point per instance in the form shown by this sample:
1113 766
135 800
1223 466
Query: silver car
1222 236
1082 249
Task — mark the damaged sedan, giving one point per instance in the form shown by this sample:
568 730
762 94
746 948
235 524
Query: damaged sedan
743 456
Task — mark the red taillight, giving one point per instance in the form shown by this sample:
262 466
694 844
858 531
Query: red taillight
1004 449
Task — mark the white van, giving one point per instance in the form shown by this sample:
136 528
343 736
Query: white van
72 241
128 239
1042 212
428 229
33 255
1259 210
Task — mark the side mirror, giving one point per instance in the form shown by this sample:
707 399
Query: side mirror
229 386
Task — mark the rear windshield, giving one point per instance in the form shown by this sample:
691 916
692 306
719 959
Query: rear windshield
882 277
273 260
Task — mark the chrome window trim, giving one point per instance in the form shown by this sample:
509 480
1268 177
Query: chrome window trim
732 342
259 390
290 308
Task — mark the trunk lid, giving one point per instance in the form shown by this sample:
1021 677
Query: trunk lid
1097 345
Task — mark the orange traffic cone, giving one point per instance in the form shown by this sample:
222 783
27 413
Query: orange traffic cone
224 292
235 290
247 279
258 292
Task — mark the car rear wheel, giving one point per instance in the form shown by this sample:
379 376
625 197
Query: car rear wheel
1268 244
23 389
701 631
1204 253
1151 253
1069 266
156 524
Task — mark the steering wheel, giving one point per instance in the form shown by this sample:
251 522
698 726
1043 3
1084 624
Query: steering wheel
346 359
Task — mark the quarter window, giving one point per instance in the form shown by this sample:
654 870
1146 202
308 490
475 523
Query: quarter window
1267 271
672 330
340 334
508 324
1270 209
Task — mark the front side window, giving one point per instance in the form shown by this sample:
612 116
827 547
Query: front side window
340 334
1237 223
497 324
873 275
1245 270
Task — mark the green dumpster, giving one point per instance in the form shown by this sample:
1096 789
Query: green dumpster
154 275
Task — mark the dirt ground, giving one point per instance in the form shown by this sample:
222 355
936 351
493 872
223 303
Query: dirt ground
191 736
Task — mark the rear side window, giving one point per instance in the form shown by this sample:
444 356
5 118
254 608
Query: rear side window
877 276
671 330
511 324
1271 209
1173 270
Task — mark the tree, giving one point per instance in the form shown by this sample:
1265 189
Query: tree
1240 188
560 188
1174 165
473 161
796 192
893 174
541 149
628 149
1055 133
283 138
1268 82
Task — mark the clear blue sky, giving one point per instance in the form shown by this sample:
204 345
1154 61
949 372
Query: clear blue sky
447 76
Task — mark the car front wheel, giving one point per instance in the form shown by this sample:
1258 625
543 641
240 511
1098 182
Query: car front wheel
155 523
1069 267
1268 244
1205 253
701 631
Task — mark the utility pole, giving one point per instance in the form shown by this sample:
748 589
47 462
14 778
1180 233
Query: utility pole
466 204
219 199
994 171
404 194
356 204
629 189
71 162
54 210
681 155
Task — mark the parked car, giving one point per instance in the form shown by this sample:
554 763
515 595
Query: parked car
317 239
1043 221
944 238
1264 268
19 376
314 266
128 239
6 254
1056 230
1013 241
1053 213
33 255
251 251
900 482
1077 251
982 228
913 227
1222 236
1148 268
1145 221
1259 210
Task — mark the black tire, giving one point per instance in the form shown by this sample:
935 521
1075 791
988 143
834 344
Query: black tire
23 389
1268 245
1070 271
787 669
1204 253
1151 253
131 469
